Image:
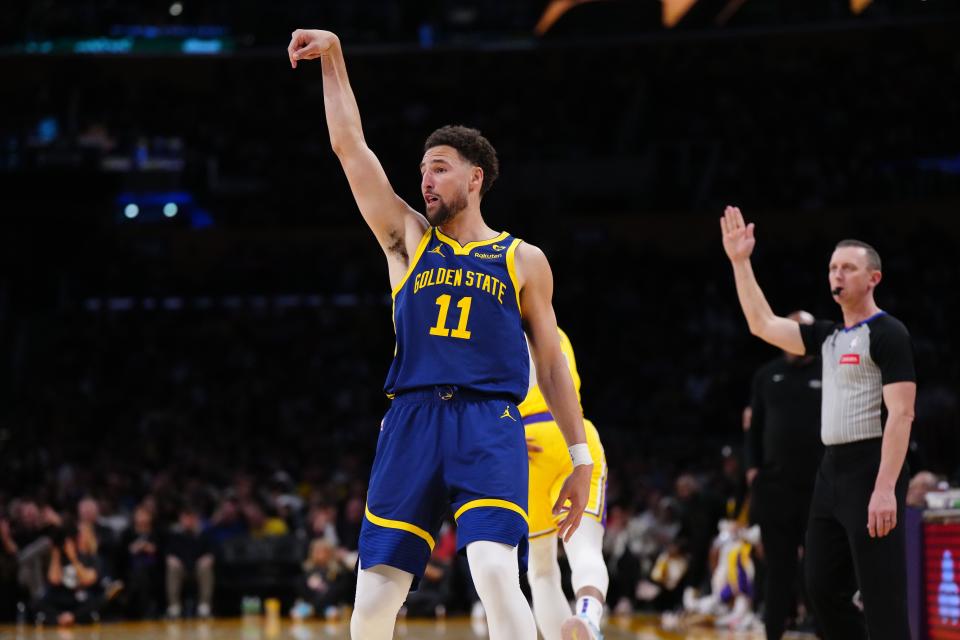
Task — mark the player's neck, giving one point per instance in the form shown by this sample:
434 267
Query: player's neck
468 227
859 311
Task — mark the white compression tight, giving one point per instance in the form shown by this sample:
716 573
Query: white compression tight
381 591
549 604
585 554
496 575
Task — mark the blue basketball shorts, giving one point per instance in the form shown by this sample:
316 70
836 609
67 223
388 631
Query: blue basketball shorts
439 449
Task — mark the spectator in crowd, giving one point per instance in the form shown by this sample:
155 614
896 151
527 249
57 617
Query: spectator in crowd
73 592
9 589
699 516
326 583
321 523
635 549
189 557
920 485
30 533
348 526
88 513
142 563
262 523
226 523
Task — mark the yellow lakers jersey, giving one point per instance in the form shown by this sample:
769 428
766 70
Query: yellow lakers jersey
534 402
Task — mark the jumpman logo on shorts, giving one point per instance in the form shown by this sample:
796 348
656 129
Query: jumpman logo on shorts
506 414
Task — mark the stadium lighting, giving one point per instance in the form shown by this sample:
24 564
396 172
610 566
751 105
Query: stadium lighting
170 209
176 9
131 211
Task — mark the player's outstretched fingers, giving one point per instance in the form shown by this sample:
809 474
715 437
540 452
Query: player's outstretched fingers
569 525
295 44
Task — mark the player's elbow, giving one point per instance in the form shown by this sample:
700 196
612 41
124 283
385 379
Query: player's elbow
762 327
758 329
347 143
903 415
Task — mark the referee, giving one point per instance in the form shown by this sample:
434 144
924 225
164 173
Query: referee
783 450
852 536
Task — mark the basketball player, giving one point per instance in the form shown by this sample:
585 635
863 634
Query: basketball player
859 494
549 465
464 295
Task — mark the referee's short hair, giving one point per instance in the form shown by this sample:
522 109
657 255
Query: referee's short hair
873 258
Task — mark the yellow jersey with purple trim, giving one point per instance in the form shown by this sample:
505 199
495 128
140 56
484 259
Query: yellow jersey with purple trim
456 314
534 402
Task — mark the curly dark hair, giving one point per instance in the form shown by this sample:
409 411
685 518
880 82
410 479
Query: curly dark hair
472 146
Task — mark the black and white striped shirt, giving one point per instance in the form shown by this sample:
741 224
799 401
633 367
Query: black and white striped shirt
857 362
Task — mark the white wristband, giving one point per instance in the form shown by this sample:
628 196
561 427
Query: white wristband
580 454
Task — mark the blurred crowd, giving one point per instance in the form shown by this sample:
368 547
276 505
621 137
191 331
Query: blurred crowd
156 457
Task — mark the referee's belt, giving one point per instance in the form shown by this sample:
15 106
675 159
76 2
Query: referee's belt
533 418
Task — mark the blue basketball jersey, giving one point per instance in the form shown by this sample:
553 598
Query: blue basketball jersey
456 313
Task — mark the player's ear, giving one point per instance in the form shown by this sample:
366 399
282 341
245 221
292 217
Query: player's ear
476 178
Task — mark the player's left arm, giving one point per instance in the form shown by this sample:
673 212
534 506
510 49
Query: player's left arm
891 349
553 377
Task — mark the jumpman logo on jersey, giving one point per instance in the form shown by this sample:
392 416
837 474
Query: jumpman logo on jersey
437 251
506 414
498 247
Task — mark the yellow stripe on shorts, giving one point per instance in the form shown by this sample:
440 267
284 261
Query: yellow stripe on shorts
403 526
491 502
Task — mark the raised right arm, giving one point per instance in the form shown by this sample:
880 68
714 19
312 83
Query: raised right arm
738 242
397 227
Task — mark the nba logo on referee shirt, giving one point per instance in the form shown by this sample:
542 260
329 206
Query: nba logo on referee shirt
850 358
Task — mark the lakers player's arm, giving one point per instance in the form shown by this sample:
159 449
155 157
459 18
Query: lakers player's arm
396 225
553 375
738 242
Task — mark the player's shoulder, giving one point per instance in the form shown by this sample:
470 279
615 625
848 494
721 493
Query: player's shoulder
884 324
527 251
531 261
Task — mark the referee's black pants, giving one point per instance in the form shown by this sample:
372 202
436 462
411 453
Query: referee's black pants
781 509
842 557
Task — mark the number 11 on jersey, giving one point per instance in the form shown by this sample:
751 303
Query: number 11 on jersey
440 328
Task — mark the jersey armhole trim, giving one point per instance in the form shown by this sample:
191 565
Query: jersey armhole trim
424 241
512 270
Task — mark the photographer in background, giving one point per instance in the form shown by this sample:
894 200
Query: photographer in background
73 593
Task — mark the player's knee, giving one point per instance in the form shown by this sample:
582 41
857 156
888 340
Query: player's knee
494 574
589 570
490 577
370 618
542 563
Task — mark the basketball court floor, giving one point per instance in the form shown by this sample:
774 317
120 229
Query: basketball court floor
623 628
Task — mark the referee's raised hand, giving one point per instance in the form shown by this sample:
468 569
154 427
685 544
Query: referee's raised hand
738 240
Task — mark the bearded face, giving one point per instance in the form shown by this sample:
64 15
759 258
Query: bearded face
445 183
440 211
